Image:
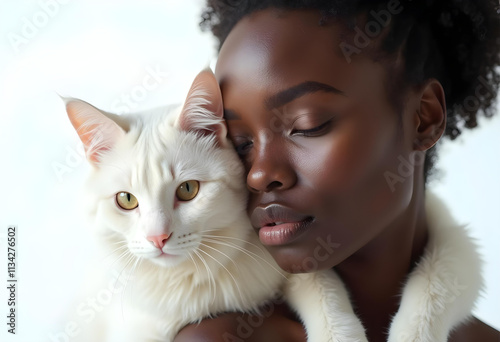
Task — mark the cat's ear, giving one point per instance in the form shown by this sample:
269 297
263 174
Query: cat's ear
203 111
97 131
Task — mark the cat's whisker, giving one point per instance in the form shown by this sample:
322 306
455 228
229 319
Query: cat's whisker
232 245
225 268
218 251
117 242
131 275
117 277
118 248
190 255
136 264
184 246
233 238
210 273
129 260
113 252
249 253
211 281
121 256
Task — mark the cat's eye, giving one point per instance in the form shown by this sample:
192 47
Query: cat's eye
188 190
126 200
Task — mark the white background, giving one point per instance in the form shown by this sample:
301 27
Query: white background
103 52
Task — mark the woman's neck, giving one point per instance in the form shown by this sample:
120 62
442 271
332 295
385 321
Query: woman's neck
375 275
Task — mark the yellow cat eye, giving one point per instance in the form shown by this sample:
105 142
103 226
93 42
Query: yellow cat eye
126 200
188 190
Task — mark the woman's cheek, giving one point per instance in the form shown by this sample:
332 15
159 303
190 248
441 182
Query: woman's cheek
331 162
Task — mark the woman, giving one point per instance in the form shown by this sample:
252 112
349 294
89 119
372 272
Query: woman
335 108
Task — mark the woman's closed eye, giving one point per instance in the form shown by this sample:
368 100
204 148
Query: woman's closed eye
313 132
243 148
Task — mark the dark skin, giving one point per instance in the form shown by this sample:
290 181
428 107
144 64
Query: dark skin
318 135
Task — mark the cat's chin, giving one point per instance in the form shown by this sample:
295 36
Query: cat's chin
167 260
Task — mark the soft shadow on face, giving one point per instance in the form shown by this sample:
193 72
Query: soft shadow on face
317 135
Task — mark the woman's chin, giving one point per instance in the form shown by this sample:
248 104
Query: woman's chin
293 260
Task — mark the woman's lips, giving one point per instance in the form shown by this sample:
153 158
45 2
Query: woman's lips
282 234
279 225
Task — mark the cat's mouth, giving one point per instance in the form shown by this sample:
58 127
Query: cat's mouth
167 260
166 255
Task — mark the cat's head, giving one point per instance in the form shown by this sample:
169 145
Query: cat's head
164 186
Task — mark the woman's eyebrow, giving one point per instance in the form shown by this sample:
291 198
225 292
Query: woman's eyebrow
290 94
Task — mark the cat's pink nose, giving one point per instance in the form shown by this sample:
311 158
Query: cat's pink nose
159 240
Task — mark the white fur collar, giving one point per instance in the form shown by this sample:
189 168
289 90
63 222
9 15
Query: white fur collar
439 294
442 290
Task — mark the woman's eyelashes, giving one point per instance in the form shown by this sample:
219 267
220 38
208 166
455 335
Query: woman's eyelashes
243 148
313 132
243 145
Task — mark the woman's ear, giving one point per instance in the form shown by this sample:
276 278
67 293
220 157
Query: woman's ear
430 118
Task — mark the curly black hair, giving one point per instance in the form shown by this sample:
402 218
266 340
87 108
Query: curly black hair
456 42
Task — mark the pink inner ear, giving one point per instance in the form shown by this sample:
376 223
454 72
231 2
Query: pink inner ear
97 131
203 109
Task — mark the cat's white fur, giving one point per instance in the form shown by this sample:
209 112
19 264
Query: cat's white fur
215 261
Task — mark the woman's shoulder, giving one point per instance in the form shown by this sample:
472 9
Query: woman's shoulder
474 330
279 325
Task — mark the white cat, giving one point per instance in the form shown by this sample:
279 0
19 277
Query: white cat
168 185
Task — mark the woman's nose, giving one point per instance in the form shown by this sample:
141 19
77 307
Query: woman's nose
271 170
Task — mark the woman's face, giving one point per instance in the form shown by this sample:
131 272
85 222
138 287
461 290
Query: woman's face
318 137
